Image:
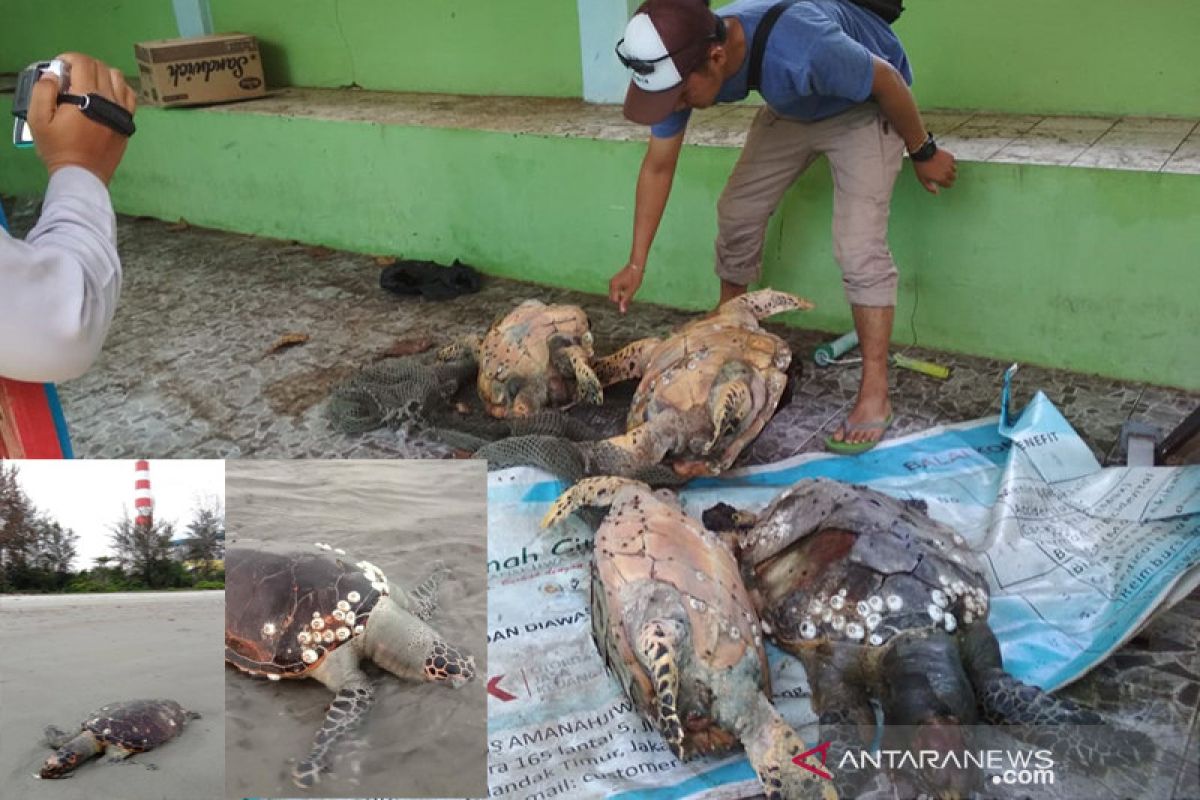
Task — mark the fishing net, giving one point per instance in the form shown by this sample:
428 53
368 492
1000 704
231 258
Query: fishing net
574 460
424 398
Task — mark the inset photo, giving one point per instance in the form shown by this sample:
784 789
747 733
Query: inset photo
355 629
111 573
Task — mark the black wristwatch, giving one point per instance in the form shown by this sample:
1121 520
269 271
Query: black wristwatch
926 151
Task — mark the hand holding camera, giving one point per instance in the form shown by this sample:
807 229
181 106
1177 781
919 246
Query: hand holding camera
81 130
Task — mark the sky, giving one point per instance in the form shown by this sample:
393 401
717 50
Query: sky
90 496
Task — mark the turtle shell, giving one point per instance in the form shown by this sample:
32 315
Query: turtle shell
516 351
836 562
285 611
137 725
649 557
682 371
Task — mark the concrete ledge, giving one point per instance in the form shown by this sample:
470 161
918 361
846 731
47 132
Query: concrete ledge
1144 144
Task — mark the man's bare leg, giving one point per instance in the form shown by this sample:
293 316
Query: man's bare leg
730 291
874 327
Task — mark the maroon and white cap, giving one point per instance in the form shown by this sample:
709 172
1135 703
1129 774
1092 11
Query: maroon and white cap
664 42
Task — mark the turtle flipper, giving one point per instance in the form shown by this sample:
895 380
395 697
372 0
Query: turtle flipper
589 492
346 712
1066 729
573 360
644 446
56 737
772 747
465 348
658 645
424 597
114 754
768 302
626 364
729 405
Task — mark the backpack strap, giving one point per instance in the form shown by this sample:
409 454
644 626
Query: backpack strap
888 10
759 46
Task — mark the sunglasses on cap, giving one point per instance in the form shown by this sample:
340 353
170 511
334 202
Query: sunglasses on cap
646 66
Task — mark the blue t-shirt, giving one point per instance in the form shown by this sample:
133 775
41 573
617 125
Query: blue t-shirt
818 60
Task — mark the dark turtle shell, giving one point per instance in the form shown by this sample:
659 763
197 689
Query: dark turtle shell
843 563
285 611
137 725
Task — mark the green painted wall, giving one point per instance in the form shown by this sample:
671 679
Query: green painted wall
1056 56
1021 56
1101 57
31 30
459 46
1090 270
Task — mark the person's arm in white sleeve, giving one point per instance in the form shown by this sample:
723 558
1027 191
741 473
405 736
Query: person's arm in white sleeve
59 287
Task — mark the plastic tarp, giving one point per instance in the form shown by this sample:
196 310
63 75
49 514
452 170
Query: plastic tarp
1079 558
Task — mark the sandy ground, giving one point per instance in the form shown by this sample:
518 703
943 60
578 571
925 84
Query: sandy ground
419 740
65 656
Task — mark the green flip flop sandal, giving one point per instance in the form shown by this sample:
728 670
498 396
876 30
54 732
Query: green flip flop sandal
854 448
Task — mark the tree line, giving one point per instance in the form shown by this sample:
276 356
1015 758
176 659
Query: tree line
37 554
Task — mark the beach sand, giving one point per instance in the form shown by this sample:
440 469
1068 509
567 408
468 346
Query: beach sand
66 656
419 739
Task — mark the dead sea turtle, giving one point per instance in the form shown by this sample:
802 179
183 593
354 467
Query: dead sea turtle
672 619
881 602
706 391
118 730
535 356
317 614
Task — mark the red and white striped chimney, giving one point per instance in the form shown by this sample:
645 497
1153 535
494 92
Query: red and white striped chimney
143 500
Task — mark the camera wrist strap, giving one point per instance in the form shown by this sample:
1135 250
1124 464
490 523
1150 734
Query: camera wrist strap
102 110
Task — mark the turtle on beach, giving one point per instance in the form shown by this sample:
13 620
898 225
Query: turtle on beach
883 604
672 620
705 392
534 357
302 614
118 730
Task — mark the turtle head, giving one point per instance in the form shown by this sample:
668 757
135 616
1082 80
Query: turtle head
724 517
447 664
523 403
63 761
405 645
71 755
505 396
946 781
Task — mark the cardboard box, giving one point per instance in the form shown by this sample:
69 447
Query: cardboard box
200 70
